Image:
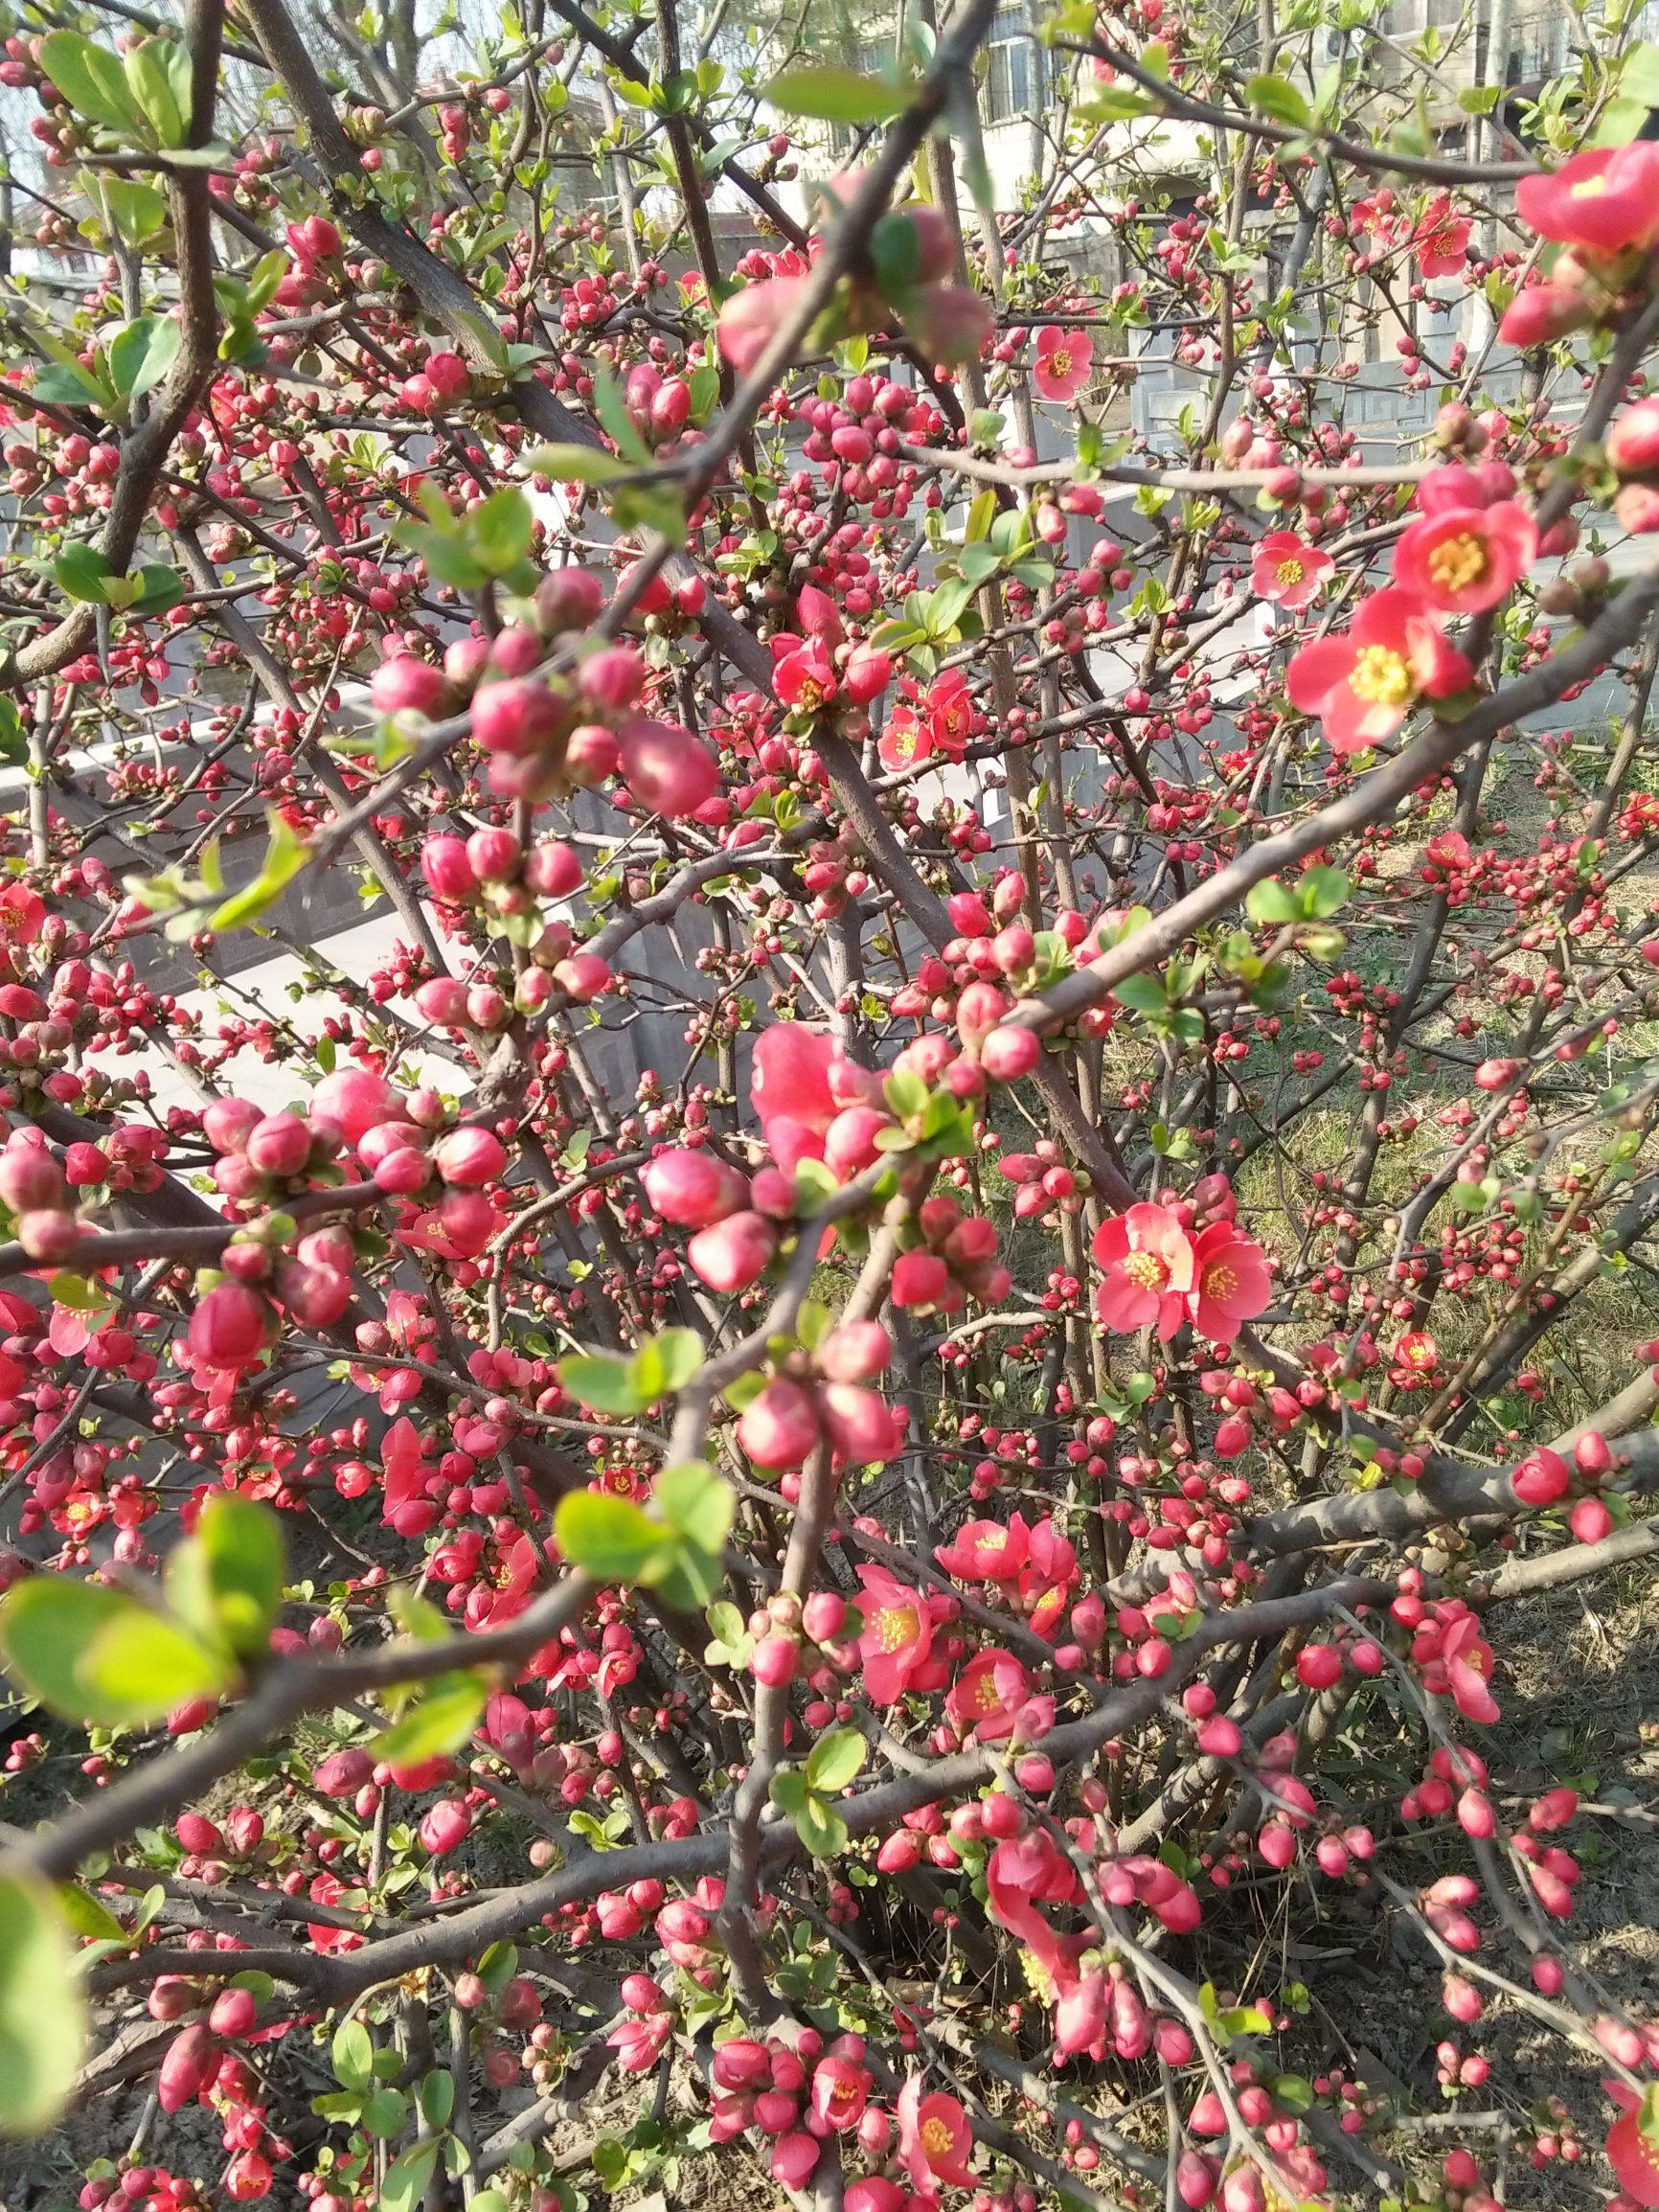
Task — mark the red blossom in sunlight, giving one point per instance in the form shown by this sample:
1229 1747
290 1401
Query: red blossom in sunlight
1064 362
986 1550
1230 1281
1601 201
1440 240
934 2141
896 1638
1465 560
986 1698
789 1089
1287 570
804 678
1363 684
1148 1265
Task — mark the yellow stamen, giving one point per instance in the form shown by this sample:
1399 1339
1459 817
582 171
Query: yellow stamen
1146 1270
1458 562
1382 678
895 1626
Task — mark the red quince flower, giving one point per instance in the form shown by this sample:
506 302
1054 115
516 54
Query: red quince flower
985 1551
1633 2152
1441 239
1465 1660
905 741
804 679
789 1089
1363 685
1150 1268
1601 201
950 713
986 1698
934 2141
1064 361
1465 560
1230 1281
1287 570
897 1638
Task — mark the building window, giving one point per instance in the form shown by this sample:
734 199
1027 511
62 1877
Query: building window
1015 76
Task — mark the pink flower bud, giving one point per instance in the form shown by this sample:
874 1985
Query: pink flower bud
733 1252
445 1826
856 1352
356 1099
470 1158
669 771
693 1189
780 1427
228 1329
405 685
517 716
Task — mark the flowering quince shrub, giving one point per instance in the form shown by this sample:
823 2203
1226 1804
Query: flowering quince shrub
830 1574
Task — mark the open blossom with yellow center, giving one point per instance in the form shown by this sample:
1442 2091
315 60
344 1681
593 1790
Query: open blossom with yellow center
1381 676
1459 561
893 1627
1146 1270
897 1636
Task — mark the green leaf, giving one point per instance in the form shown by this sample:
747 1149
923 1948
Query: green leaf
1272 904
94 1653
352 2055
905 1093
140 1666
895 254
601 1382
1639 77
226 1581
285 854
83 572
90 78
67 384
665 1365
407 2177
384 2112
697 1503
684 1577
1279 99
834 1759
500 531
611 1536
814 1182
1322 891
160 590
441 1721
1141 993
42 2015
140 355
153 87
89 1915
575 464
133 211
789 1791
731 1641
835 95
821 1828
436 2097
